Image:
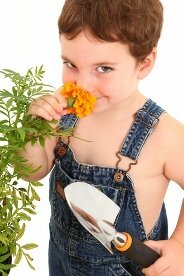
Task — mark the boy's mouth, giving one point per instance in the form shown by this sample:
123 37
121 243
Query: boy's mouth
99 98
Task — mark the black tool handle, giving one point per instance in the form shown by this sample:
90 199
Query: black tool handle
138 251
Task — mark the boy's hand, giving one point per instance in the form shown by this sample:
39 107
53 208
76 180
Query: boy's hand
49 107
171 261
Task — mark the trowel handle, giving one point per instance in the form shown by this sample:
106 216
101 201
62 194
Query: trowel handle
136 250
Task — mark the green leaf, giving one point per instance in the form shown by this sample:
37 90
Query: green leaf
37 184
5 93
18 256
4 257
4 239
30 211
4 249
23 216
4 113
35 195
42 141
30 265
3 272
27 256
9 102
22 190
15 199
22 133
29 246
7 266
21 232
70 101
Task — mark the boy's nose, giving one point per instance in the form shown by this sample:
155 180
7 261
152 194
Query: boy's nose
86 83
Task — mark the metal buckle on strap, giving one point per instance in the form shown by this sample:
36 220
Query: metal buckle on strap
137 114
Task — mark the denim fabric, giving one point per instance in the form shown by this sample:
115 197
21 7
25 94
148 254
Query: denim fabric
72 249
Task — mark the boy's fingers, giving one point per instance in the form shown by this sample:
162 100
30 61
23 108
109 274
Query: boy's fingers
161 265
55 101
155 245
60 98
44 110
62 103
158 268
41 112
54 105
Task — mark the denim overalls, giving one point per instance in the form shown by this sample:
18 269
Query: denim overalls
74 251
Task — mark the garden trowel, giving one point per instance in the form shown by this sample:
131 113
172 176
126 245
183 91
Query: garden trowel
97 213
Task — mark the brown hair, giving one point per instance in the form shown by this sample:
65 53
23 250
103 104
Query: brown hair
137 23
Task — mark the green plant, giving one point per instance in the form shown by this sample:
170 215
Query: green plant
17 197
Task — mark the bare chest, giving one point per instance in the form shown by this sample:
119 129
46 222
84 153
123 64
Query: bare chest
101 146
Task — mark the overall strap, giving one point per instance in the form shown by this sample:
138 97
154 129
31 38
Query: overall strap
146 119
68 121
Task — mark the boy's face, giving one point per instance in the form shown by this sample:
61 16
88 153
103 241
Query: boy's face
105 69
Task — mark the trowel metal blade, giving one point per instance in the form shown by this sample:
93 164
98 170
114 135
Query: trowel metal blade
94 210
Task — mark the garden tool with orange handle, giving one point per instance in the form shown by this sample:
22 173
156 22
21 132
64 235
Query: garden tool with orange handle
97 213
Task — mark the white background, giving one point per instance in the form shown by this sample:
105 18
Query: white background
29 37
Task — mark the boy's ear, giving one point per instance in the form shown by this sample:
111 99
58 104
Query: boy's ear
146 65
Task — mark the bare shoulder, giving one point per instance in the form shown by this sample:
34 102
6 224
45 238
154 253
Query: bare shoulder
171 134
171 131
168 125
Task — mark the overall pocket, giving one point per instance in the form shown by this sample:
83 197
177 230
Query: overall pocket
60 210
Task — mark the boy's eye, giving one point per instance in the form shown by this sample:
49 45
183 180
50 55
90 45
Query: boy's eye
68 64
104 69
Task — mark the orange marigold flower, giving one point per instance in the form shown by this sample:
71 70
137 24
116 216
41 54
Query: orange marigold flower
79 101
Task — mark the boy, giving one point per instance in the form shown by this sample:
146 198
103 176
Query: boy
107 47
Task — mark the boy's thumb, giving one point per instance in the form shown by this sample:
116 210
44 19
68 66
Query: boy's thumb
155 245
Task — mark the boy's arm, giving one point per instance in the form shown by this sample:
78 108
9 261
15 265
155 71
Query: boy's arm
48 107
178 233
172 250
38 156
